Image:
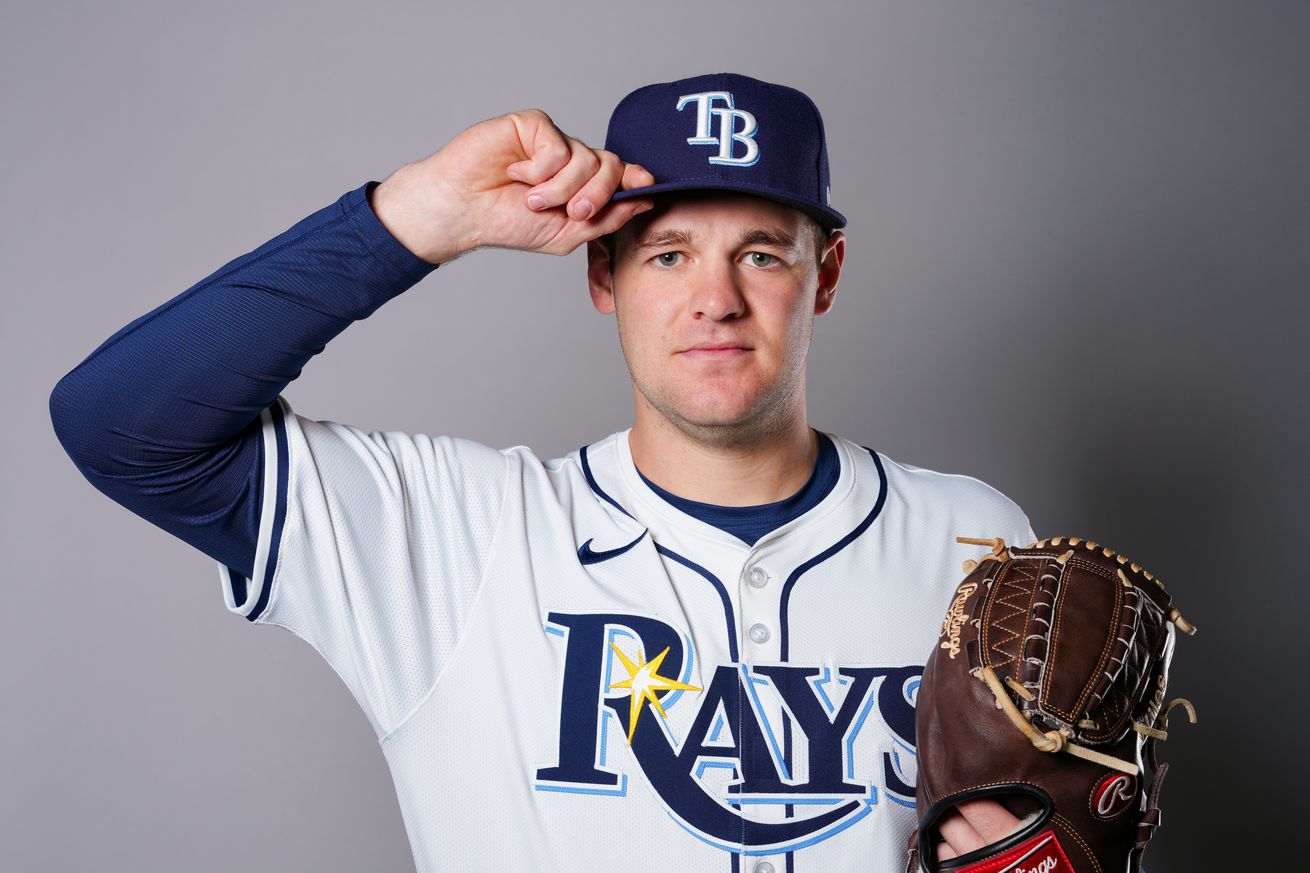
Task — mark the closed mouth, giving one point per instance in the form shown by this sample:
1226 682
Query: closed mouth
717 349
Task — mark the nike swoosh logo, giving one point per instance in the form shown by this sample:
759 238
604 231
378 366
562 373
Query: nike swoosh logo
587 556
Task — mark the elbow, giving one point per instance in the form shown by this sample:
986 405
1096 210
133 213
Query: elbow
76 414
64 415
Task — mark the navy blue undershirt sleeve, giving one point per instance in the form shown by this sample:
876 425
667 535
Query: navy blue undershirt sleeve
749 523
163 417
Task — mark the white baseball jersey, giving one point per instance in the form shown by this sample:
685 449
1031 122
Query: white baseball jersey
566 672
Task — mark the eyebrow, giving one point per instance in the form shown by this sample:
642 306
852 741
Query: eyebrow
660 238
757 236
760 236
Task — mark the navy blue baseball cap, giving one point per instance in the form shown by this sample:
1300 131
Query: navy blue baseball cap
729 132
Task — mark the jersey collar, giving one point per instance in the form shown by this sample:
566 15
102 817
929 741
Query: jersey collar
647 506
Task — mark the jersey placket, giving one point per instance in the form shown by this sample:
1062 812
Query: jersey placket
762 754
754 582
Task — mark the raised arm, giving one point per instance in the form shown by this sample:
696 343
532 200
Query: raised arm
162 417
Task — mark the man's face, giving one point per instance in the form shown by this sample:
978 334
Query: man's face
715 296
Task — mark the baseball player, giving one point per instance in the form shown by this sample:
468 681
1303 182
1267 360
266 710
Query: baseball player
693 644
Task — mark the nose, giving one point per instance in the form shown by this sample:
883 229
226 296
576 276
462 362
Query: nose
716 292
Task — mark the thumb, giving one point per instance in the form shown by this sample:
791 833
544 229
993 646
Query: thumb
612 217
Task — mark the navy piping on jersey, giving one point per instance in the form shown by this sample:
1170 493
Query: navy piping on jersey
796 574
723 594
238 584
591 480
240 588
280 504
830 551
749 523
728 615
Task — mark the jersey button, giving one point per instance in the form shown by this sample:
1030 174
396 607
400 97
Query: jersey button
764 867
759 634
757 579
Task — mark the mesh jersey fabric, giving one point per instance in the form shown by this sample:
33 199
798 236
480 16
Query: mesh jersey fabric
382 540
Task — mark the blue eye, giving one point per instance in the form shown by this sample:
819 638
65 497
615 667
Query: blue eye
667 259
762 259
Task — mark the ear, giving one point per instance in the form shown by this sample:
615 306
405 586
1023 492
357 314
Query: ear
834 253
600 277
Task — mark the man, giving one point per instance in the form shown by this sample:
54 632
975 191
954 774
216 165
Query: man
694 644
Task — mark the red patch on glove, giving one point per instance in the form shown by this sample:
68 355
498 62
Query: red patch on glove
1041 854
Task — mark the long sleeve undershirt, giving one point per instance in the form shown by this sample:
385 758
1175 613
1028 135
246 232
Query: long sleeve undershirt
163 416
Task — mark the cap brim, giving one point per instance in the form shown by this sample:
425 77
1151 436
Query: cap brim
825 215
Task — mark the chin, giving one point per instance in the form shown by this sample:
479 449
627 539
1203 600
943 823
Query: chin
731 418
724 408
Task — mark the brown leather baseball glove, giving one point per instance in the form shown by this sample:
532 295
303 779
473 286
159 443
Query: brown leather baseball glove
1046 687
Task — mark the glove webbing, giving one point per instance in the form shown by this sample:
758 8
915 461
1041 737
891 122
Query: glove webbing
1051 741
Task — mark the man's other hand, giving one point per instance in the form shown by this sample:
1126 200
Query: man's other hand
972 825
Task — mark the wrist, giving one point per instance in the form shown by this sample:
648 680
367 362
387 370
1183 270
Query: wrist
404 204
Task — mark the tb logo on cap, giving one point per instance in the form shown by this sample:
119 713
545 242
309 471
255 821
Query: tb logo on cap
729 135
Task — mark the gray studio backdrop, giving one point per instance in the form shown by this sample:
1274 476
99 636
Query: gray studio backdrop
1077 269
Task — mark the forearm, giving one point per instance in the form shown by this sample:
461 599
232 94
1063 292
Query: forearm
160 416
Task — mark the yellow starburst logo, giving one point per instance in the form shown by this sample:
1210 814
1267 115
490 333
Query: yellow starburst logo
643 681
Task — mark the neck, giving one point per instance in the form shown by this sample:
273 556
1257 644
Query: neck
725 472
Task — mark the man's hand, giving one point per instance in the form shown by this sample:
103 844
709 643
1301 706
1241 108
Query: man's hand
516 182
972 825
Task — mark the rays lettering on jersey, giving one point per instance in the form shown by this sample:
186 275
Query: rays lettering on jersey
733 766
729 135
